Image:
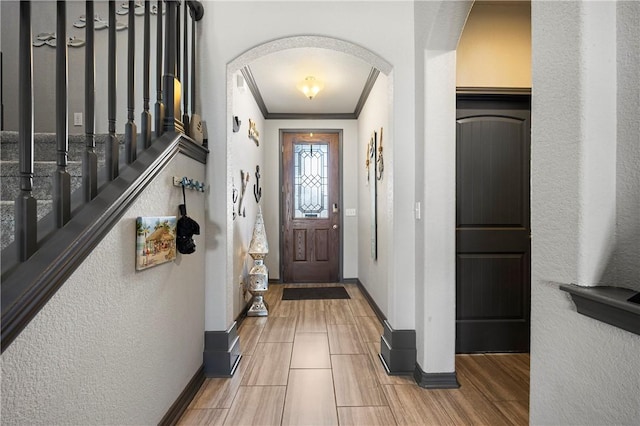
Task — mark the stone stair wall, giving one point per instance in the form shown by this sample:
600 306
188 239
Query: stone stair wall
44 168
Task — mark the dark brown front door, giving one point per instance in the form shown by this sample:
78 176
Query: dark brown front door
493 226
310 207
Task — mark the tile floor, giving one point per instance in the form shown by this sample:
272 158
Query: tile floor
315 362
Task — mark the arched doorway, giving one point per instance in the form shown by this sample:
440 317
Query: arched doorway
237 81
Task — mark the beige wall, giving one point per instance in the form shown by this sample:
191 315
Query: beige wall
495 47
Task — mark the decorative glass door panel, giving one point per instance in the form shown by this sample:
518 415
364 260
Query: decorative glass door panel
311 181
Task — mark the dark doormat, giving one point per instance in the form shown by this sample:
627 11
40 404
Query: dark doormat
308 293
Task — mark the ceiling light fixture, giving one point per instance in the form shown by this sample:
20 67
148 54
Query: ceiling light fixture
310 86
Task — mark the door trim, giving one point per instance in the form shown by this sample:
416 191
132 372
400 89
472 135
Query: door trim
281 185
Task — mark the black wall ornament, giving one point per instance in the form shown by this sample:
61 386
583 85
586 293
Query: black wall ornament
257 190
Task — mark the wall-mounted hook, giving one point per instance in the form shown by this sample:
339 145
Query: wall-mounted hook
188 183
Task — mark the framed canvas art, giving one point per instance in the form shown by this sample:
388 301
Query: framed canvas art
155 241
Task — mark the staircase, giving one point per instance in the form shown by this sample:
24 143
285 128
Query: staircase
41 250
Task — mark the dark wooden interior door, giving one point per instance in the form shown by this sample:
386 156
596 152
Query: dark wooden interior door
310 207
493 224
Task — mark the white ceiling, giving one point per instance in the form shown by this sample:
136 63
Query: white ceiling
276 75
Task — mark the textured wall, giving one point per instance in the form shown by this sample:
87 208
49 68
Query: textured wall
374 274
582 371
495 46
245 155
114 346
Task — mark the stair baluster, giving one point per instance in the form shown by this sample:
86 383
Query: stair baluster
130 131
113 148
25 206
145 119
168 78
159 116
177 34
90 159
62 179
185 74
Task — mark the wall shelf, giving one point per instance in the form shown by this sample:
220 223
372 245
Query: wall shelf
607 304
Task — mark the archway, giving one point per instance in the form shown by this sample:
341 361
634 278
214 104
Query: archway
236 238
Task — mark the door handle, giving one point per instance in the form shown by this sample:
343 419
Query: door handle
335 226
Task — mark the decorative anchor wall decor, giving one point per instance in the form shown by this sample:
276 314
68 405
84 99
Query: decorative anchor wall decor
257 190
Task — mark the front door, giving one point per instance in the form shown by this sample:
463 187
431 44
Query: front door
311 207
492 224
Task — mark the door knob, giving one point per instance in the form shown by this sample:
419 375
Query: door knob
335 226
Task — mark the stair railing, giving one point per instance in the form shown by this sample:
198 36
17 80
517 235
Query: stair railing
29 233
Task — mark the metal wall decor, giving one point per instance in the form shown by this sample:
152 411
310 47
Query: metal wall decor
234 197
373 190
257 190
370 155
253 132
244 180
379 160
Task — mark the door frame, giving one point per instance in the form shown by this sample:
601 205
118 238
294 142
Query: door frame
281 133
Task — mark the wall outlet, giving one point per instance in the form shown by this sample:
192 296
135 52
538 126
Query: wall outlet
77 119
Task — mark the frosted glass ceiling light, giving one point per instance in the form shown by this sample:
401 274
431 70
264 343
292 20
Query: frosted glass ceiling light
310 86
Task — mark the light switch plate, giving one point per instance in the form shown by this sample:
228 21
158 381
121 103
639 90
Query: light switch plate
77 119
350 212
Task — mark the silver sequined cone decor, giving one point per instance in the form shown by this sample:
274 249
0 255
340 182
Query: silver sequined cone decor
259 274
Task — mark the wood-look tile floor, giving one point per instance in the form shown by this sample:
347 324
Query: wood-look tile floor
315 362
